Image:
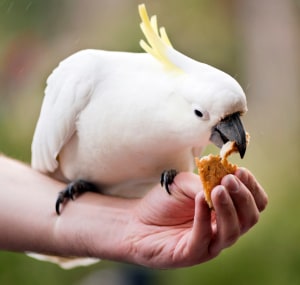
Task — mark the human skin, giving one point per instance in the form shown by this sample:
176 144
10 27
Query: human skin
157 231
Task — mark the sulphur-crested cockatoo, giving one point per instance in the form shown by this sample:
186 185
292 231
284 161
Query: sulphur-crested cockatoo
115 121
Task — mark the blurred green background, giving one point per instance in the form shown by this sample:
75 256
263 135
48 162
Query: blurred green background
255 41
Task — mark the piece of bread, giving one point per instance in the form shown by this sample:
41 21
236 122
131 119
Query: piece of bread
212 168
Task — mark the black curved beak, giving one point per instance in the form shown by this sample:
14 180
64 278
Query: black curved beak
230 129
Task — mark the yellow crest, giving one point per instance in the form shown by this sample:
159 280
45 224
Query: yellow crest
158 40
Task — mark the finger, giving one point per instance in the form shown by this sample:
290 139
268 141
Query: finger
259 195
188 183
246 209
196 248
201 232
227 222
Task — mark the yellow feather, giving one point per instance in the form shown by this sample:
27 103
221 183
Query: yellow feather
158 40
164 36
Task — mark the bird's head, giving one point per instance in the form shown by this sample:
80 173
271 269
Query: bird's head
217 102
213 101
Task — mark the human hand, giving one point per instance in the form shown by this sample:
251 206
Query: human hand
159 230
169 231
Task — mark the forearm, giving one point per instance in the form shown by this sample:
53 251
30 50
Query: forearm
93 225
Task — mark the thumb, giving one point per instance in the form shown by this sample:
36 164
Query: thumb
186 183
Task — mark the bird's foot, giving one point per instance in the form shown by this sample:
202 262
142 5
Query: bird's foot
72 190
167 178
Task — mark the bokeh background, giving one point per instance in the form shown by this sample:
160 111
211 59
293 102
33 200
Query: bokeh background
255 41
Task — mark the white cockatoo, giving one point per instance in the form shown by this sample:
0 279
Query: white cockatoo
116 121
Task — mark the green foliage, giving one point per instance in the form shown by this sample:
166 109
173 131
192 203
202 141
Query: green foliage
17 16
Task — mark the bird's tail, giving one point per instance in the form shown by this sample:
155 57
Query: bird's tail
64 262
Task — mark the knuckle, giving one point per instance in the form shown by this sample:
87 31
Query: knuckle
251 221
263 204
232 237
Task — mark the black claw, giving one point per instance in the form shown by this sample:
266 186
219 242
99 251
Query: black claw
59 201
72 190
167 178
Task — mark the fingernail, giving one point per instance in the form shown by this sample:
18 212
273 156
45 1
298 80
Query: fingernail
235 185
241 174
222 195
232 184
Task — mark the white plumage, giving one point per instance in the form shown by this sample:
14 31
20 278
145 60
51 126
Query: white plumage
119 119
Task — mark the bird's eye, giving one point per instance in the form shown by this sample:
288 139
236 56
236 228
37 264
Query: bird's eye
204 115
198 113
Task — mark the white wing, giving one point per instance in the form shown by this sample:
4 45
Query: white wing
68 91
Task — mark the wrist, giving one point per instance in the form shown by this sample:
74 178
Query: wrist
96 225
